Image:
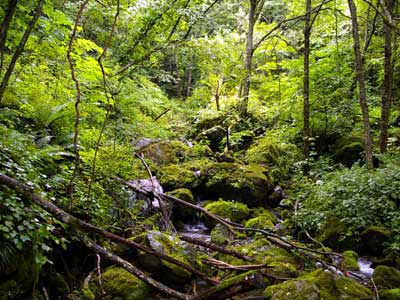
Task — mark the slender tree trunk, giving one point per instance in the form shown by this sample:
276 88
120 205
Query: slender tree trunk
361 84
216 95
20 48
12 4
306 81
249 57
387 83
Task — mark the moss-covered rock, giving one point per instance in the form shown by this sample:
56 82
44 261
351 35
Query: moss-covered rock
386 277
118 283
58 285
87 294
221 235
349 261
179 212
393 294
233 211
249 184
333 235
166 152
318 285
348 150
261 222
373 240
213 136
177 176
172 246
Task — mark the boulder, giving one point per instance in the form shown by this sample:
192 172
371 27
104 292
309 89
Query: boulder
117 283
178 176
231 210
172 246
213 136
221 235
249 184
393 294
179 212
318 285
373 240
333 235
166 152
349 261
386 277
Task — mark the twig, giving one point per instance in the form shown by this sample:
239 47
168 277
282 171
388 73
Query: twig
99 274
163 113
225 266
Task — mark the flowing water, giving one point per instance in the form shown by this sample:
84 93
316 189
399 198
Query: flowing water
196 231
365 267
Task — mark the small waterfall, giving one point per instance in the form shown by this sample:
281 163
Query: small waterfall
365 267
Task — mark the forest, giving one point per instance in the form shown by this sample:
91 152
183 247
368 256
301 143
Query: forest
199 149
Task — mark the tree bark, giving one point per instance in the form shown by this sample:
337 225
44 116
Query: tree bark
361 85
249 57
387 94
306 81
20 48
12 4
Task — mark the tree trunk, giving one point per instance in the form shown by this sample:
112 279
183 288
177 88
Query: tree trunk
387 83
306 81
361 84
20 48
249 57
12 4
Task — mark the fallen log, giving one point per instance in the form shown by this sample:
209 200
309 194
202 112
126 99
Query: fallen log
78 224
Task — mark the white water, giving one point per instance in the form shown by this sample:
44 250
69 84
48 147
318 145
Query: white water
365 266
197 231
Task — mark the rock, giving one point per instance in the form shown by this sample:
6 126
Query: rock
261 222
349 150
166 152
119 284
248 184
87 294
318 285
276 197
233 211
143 142
221 235
373 239
179 212
349 261
386 277
172 246
177 176
393 294
333 235
213 136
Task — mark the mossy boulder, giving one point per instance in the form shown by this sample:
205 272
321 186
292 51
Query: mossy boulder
333 235
349 261
178 176
318 285
231 210
248 184
373 240
213 136
172 246
179 212
261 222
117 283
221 235
393 294
386 277
166 152
87 294
348 150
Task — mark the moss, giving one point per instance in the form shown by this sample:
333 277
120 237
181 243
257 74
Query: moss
260 211
57 283
87 295
221 235
9 290
177 176
386 277
180 212
373 240
333 235
120 284
349 150
393 294
349 261
248 184
234 211
261 222
166 152
318 285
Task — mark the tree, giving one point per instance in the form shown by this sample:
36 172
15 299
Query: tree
361 84
387 94
306 80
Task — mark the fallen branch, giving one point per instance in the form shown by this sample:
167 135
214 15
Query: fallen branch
81 225
215 247
225 266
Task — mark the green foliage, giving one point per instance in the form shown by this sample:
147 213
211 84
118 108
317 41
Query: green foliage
357 197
